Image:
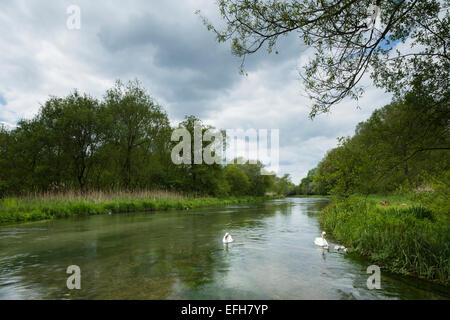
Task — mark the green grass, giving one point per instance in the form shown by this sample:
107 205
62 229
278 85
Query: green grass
43 207
412 239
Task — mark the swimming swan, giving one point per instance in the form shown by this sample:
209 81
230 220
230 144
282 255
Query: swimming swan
340 248
321 241
227 238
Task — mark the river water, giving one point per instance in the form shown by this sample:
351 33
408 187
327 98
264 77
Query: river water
180 255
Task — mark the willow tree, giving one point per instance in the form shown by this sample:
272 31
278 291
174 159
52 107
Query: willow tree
135 126
350 38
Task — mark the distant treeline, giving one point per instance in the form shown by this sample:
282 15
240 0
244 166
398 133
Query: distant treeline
121 142
404 145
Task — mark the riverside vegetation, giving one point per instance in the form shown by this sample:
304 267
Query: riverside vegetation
79 145
410 236
402 149
51 206
122 142
390 187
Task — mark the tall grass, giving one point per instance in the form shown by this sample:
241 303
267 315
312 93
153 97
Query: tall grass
102 196
410 239
58 205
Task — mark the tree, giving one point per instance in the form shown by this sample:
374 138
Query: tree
6 143
310 184
348 44
201 177
404 139
79 143
54 150
71 125
237 180
259 183
402 144
134 125
284 185
339 170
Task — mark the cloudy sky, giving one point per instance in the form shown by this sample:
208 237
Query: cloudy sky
165 45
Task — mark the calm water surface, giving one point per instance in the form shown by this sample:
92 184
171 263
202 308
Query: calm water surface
180 255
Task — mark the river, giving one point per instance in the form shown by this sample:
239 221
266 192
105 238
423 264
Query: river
180 255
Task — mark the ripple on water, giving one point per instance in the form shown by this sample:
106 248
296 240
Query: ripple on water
181 255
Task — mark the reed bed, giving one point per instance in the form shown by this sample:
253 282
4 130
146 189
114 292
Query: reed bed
403 237
35 207
102 196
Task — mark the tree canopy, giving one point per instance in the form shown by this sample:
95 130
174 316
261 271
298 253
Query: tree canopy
402 145
120 142
350 38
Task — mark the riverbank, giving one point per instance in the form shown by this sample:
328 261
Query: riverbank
180 255
405 234
52 206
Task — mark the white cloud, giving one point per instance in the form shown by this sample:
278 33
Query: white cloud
165 45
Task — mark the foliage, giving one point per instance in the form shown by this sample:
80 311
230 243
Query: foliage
52 206
237 180
135 130
347 44
411 239
259 183
200 177
401 146
122 142
284 185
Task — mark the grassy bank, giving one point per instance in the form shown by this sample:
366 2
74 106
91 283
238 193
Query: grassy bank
51 206
408 235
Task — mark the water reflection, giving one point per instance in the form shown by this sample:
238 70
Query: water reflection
180 255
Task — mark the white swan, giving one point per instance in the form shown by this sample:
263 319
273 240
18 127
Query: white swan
339 248
321 242
227 238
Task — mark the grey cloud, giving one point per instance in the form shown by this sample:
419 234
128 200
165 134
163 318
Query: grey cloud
166 46
184 49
